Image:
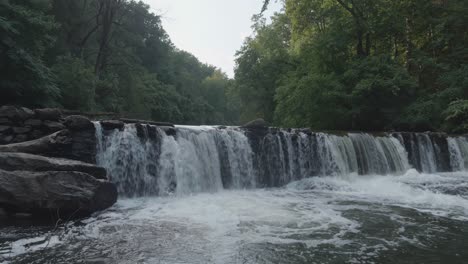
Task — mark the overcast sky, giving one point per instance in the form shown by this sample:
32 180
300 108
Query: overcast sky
212 30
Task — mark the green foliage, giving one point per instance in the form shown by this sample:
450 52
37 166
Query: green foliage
77 83
325 64
456 116
260 63
359 65
25 33
314 100
112 55
379 88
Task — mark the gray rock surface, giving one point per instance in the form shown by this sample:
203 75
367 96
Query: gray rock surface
33 122
48 114
78 122
5 121
4 129
63 193
21 130
12 161
54 126
47 144
112 124
15 113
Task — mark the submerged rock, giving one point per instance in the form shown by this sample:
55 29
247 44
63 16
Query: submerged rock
54 193
23 161
112 124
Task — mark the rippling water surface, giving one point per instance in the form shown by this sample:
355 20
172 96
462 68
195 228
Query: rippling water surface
413 218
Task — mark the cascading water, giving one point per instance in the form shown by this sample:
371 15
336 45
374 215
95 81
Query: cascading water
195 160
369 205
458 148
145 160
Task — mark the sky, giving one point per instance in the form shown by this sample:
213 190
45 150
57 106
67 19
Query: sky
212 30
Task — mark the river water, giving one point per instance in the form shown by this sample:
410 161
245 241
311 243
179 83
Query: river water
413 218
341 215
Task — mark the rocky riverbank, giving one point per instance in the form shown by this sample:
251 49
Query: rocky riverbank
47 165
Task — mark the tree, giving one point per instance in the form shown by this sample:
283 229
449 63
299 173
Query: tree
25 34
260 63
367 65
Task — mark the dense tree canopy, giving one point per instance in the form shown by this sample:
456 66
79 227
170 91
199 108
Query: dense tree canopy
359 65
104 55
325 64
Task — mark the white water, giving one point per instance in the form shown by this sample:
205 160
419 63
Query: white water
366 204
458 148
309 221
191 162
209 159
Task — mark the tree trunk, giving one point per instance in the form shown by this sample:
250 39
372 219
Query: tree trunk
368 44
408 44
110 8
360 47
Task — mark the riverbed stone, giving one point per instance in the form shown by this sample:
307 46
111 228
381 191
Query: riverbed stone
66 193
5 129
170 131
20 138
112 124
53 126
78 122
21 130
33 122
5 139
36 134
53 114
5 121
13 161
16 113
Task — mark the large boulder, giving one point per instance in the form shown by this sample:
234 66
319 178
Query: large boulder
5 129
15 113
5 121
6 139
54 126
48 114
54 143
12 161
112 124
77 145
21 130
78 122
51 193
33 122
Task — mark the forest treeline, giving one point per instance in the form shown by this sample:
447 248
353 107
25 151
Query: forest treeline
326 64
105 55
359 65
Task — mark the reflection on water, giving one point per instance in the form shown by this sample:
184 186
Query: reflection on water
413 218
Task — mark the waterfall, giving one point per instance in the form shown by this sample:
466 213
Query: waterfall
146 160
427 152
131 163
195 160
458 148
